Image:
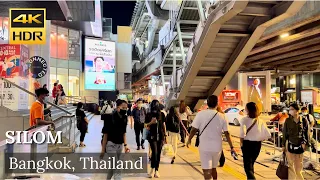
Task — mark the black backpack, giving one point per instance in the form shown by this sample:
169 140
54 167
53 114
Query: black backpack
172 124
308 118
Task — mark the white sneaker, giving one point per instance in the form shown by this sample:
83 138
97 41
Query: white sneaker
157 175
151 174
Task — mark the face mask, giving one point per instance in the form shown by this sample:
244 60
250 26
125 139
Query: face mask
139 105
46 99
305 113
123 111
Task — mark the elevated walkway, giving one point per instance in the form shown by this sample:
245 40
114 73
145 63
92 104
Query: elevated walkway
221 44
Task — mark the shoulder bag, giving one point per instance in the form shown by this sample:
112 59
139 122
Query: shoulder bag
198 137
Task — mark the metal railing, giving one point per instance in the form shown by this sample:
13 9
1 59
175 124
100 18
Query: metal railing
25 91
66 124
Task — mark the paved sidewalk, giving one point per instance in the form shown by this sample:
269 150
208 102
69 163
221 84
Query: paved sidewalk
187 164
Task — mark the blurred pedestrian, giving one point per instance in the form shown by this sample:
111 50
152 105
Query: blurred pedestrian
251 138
184 112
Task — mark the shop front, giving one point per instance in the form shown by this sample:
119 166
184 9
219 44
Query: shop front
65 59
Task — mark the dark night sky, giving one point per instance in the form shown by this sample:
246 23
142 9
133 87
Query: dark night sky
119 11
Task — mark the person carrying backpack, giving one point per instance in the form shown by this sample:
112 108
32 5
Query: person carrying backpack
173 128
139 116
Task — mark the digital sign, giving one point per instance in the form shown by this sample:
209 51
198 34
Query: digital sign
100 65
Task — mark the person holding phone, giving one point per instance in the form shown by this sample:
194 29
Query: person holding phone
155 121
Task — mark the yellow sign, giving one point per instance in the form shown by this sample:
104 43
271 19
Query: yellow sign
27 26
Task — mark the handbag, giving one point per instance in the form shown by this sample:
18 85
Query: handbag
295 149
199 134
145 133
283 168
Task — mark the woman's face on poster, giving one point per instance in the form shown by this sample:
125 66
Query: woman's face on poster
256 82
99 64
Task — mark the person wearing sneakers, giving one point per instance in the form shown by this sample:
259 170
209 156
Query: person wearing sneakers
155 121
139 115
83 126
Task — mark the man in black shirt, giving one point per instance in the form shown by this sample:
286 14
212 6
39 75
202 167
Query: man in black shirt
139 115
114 135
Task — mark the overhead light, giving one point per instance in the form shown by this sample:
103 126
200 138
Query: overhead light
62 35
284 35
292 81
166 82
179 55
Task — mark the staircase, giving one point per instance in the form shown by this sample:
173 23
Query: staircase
222 43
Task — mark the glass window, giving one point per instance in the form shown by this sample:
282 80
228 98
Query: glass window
74 45
53 77
53 42
63 43
62 76
74 82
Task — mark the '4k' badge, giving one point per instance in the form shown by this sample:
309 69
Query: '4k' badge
27 26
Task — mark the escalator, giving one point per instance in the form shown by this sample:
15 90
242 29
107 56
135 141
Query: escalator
220 46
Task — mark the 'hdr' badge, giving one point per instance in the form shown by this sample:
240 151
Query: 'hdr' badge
27 26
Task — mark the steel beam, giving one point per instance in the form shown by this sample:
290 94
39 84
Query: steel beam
181 45
174 70
201 12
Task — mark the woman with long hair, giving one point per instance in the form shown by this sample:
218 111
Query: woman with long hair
82 123
251 138
173 128
184 112
155 121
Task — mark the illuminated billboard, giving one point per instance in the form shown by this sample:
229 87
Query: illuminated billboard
100 65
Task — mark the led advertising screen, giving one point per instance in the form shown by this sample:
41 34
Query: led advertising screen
100 65
257 91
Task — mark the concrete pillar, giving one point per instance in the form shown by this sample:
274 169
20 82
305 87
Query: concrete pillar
298 87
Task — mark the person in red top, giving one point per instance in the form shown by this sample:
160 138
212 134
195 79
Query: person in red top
54 92
280 117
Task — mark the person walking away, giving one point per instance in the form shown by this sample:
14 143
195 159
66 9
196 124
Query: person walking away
210 124
83 123
37 109
184 112
54 93
162 109
250 140
157 136
114 137
173 128
129 113
222 159
295 140
311 121
139 115
106 111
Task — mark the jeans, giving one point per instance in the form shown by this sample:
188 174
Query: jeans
183 133
173 139
114 151
156 147
250 151
138 129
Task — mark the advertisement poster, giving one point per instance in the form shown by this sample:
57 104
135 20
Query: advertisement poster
257 91
99 65
10 94
9 60
24 67
4 30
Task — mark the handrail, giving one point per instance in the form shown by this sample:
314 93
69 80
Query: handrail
30 93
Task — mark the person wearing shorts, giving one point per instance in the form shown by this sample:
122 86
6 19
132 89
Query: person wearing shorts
210 123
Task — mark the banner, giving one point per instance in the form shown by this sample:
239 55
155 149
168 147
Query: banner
257 91
99 65
14 67
9 60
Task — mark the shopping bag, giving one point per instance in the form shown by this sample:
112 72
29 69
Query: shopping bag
282 170
145 133
167 150
222 159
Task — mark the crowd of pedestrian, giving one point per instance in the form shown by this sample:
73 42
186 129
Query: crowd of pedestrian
153 124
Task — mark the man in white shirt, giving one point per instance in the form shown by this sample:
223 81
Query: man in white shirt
210 124
311 121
